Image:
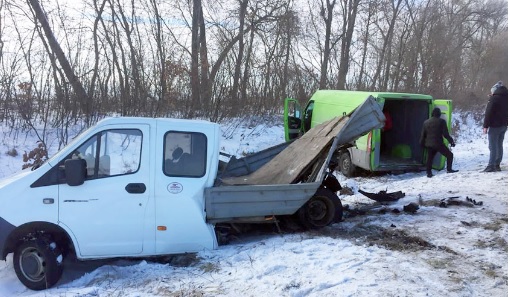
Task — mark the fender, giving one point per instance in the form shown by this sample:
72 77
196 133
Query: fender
14 234
6 229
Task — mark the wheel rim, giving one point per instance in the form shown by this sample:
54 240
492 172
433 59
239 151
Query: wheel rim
317 210
346 164
32 264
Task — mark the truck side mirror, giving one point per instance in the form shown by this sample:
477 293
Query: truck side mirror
76 171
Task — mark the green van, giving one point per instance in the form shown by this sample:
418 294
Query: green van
394 148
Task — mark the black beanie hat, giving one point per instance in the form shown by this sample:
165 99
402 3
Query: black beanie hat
436 112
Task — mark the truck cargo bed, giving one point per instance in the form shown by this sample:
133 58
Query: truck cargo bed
273 188
231 203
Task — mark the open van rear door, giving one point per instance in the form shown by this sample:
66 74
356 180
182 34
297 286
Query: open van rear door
292 119
446 114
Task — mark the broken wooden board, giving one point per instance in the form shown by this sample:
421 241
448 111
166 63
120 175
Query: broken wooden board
287 166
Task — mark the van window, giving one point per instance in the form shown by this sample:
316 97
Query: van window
111 152
185 154
107 153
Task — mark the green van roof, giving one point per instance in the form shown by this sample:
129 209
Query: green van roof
356 97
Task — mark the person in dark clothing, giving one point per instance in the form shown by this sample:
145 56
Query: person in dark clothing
495 124
433 131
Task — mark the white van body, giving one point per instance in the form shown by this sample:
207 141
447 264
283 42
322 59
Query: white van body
123 223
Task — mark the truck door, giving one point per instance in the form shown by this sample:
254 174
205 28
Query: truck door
446 114
292 119
106 213
179 190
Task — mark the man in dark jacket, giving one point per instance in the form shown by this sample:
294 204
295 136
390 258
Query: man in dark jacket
433 131
496 122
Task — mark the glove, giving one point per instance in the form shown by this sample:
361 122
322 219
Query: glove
452 144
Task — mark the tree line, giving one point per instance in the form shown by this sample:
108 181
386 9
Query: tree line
61 61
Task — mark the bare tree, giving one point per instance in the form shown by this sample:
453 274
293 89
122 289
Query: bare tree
350 12
64 63
387 31
326 13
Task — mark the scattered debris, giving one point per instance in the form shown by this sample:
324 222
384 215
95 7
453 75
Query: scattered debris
479 203
346 191
448 201
411 207
383 196
445 202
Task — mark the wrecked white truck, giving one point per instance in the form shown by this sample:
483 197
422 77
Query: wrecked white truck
139 187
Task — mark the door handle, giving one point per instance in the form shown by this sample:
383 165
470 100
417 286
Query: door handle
136 188
48 201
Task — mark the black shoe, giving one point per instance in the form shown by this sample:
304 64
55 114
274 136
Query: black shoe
497 168
490 168
429 175
451 171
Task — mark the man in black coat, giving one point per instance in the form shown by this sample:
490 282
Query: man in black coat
496 123
433 131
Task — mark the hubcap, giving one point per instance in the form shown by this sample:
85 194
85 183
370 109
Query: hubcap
32 264
317 210
345 164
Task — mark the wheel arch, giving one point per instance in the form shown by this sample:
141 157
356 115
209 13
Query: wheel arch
32 230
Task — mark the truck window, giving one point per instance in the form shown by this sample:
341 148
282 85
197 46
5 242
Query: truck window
185 154
111 152
107 153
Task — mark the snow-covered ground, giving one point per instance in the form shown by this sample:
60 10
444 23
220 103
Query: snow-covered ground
460 250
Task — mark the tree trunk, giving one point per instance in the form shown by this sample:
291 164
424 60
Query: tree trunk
351 12
64 63
239 60
327 16
195 49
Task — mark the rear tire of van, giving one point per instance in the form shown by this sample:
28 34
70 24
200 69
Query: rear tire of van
38 263
345 164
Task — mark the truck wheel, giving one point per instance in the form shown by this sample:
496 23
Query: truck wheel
318 212
38 263
345 163
339 210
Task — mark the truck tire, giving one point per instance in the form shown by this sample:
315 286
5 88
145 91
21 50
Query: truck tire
38 263
318 212
345 163
339 210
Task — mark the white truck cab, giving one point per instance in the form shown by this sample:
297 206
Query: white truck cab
125 187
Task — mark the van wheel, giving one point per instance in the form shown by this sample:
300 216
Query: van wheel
318 212
38 263
345 163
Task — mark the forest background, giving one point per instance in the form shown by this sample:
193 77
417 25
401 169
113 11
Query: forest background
64 62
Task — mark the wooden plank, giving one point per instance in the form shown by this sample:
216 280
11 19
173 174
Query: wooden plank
287 166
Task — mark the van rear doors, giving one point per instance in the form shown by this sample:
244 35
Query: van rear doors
446 114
